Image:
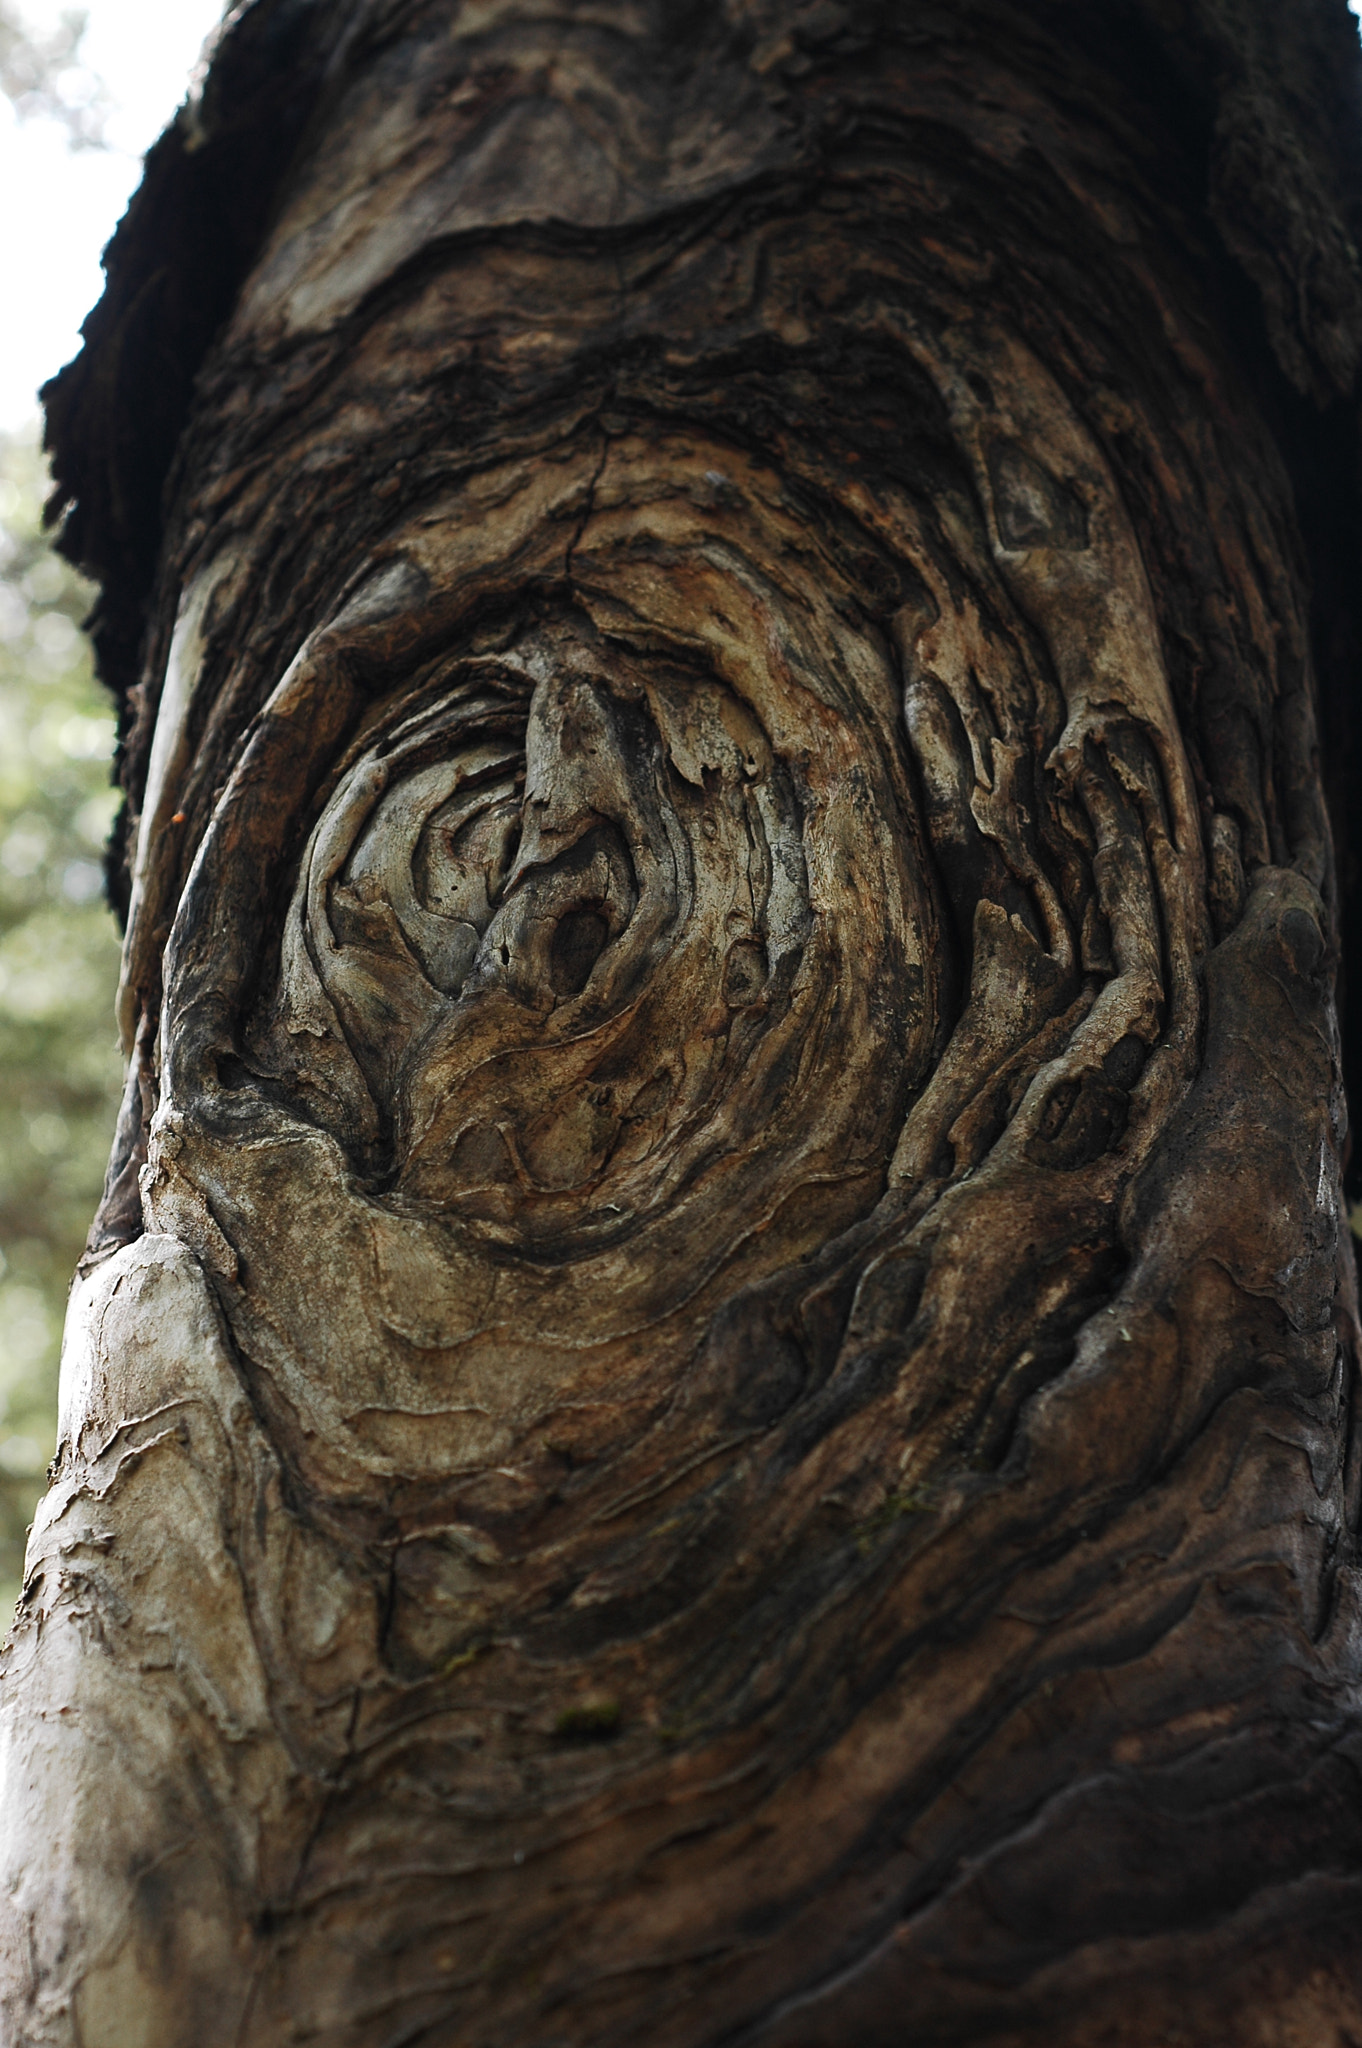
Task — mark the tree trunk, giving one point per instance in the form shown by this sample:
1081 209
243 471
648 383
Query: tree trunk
713 1399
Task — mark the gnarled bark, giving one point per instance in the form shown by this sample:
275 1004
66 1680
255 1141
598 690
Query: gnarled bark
713 1398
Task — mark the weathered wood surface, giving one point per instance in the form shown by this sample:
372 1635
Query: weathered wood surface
713 1402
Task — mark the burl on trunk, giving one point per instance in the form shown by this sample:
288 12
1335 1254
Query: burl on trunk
713 1399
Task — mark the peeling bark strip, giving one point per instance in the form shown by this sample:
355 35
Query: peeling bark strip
712 1403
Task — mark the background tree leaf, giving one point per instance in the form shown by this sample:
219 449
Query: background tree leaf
59 1063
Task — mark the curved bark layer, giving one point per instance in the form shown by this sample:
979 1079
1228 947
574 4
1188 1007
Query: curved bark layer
712 1402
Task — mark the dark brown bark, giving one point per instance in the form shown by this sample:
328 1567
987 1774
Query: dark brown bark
713 1399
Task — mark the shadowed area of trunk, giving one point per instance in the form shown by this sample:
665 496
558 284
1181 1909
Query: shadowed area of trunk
713 1399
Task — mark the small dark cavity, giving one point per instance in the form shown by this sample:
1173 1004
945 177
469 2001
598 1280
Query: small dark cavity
1055 1114
1082 1120
577 945
1033 508
234 1074
745 973
1125 1062
593 1721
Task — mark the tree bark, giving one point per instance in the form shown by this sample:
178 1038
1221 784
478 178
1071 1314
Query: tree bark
713 1399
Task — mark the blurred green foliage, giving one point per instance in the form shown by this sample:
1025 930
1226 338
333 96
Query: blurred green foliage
59 1063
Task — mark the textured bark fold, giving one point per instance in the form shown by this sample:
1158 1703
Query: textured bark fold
713 1399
